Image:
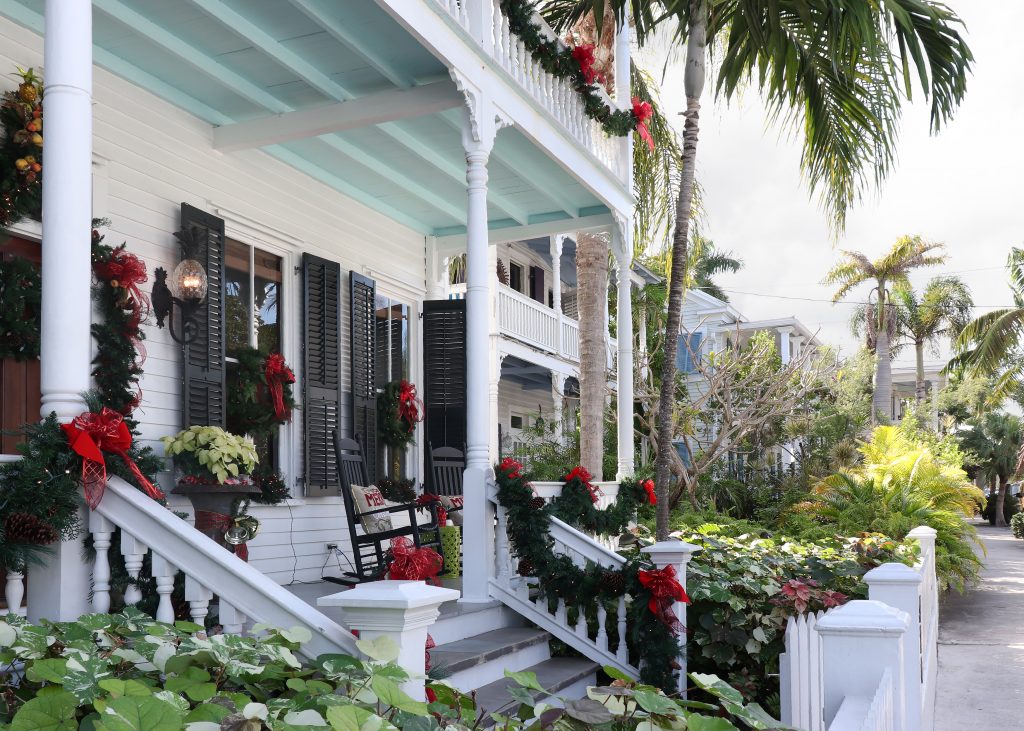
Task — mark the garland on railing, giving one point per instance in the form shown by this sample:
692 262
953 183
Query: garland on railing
576 504
576 66
651 635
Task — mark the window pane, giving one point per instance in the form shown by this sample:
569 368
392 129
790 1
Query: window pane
237 298
267 305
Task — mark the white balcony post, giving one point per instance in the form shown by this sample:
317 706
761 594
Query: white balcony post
401 610
624 341
480 127
556 242
899 586
785 335
437 271
59 590
558 398
494 356
622 78
860 641
676 554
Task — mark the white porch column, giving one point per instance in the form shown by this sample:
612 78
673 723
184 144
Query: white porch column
437 271
556 242
479 129
59 590
558 399
785 334
622 85
798 345
624 340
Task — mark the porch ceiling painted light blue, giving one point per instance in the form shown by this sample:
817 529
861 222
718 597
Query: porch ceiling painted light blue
229 61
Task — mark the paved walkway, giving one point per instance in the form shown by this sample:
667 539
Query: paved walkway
981 643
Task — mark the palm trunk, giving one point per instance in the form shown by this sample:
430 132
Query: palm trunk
881 401
1000 516
694 86
921 390
592 288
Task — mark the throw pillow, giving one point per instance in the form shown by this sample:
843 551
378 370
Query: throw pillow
453 504
370 498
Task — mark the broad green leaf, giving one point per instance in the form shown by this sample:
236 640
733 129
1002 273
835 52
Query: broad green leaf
589 712
708 723
389 692
212 712
49 670
118 688
382 649
525 679
7 634
141 714
50 712
83 675
717 687
655 702
353 718
616 674
308 717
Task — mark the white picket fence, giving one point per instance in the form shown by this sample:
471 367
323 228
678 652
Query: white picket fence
869 665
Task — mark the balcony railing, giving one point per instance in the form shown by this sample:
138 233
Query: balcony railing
555 95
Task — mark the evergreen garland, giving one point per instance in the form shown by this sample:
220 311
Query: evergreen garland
21 150
559 61
397 423
652 645
20 302
575 506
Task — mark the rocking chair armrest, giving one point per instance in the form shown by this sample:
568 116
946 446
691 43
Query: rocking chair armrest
392 509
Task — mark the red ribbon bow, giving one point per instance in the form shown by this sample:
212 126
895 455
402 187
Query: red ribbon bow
648 486
410 562
511 468
408 405
210 521
584 476
584 56
428 498
642 112
277 373
90 435
665 592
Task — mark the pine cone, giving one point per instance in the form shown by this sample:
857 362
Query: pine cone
25 528
613 582
537 503
526 567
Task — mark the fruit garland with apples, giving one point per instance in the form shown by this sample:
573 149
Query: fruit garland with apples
21 150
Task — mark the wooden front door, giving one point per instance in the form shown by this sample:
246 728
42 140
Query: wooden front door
19 379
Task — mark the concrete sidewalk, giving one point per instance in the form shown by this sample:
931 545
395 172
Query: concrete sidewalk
981 643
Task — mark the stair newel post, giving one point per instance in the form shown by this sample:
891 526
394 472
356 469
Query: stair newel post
401 610
164 572
14 591
676 554
134 551
102 530
198 598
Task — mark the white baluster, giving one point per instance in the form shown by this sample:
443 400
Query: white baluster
501 555
102 530
560 613
505 45
602 633
133 551
581 622
522 59
164 572
622 651
14 592
231 619
198 598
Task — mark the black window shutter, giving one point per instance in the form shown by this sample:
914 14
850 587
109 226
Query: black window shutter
537 283
363 350
444 373
321 406
204 389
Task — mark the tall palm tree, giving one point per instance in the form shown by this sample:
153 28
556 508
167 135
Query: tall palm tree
990 345
942 311
995 439
909 252
835 71
706 262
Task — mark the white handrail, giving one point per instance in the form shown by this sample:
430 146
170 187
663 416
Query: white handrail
526 319
209 569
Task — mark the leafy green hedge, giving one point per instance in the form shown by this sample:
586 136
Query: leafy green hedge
126 672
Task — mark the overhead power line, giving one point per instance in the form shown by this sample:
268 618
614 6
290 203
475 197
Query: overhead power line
838 302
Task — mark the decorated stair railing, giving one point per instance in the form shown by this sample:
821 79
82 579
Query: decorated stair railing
245 594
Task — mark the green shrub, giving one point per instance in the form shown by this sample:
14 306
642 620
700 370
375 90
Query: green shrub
126 672
1017 524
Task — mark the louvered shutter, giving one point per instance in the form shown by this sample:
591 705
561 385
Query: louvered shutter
321 407
444 373
537 289
363 350
204 388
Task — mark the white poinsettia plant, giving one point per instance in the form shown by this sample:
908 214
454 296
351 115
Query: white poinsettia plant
213 450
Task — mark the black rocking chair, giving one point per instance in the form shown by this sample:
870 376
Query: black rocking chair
446 468
370 549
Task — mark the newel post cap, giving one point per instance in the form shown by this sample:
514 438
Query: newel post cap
671 553
864 618
892 573
390 605
923 531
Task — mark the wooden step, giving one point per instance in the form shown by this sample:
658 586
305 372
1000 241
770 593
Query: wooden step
568 676
482 659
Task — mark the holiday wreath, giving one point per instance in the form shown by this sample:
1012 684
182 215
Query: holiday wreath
260 397
21 150
652 629
400 410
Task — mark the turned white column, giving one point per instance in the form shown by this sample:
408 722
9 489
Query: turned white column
479 129
624 340
494 357
437 271
785 336
555 248
558 399
622 85
59 590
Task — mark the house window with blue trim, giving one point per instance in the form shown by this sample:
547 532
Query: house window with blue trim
688 352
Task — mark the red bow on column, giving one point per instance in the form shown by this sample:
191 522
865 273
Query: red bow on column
584 476
277 373
642 111
648 486
665 592
408 405
90 434
416 564
584 56
128 272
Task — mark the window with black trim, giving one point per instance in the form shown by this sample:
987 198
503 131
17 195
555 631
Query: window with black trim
515 276
252 293
391 361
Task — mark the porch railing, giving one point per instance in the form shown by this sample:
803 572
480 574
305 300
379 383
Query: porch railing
526 319
244 593
555 95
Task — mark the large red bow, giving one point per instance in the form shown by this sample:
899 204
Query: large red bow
511 468
665 592
277 373
648 486
408 405
410 562
584 476
584 56
642 111
90 435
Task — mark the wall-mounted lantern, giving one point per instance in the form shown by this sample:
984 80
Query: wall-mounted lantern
186 291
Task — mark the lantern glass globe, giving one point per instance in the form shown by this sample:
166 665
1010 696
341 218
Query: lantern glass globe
188 282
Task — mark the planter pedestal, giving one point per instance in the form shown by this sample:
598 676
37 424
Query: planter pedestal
214 499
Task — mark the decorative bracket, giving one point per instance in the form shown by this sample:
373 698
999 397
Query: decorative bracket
484 119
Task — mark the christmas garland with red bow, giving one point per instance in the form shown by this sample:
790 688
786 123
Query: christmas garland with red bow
577 66
576 505
400 410
652 639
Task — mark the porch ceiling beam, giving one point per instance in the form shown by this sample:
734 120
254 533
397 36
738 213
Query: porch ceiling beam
413 142
348 37
456 243
362 112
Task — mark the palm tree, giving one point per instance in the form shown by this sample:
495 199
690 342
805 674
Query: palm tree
835 71
942 311
990 345
909 252
706 261
995 440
